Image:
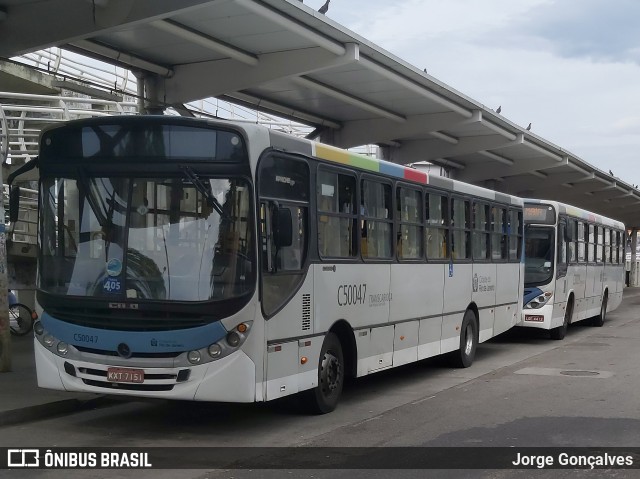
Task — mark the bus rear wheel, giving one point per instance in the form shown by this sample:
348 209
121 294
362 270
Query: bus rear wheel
324 398
599 320
463 357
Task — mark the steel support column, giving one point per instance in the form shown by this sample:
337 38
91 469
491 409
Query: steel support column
634 279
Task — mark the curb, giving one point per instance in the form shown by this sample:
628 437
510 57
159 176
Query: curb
49 410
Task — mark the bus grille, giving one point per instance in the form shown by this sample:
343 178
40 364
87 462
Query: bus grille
158 381
306 312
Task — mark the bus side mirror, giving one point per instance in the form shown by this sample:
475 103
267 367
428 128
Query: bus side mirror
14 203
282 228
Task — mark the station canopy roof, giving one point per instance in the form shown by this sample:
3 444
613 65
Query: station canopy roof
285 58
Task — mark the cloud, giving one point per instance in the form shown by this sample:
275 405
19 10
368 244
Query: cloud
595 29
570 67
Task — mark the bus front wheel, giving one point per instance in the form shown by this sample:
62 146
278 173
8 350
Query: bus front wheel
463 357
324 398
560 332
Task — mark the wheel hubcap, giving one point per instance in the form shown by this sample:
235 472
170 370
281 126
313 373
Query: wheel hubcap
330 372
468 332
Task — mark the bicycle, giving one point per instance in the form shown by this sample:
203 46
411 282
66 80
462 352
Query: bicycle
21 317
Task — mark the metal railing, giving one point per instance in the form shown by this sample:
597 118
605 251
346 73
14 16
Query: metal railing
23 115
25 229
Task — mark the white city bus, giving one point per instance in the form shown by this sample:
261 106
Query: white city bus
213 261
574 266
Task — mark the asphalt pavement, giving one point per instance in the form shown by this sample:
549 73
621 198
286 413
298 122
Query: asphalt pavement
20 397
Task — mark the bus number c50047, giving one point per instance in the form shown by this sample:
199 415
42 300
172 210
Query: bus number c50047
351 294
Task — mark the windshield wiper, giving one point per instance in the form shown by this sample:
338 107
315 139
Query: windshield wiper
205 190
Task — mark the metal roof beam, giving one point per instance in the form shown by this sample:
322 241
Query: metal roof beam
108 54
413 86
79 21
349 99
465 146
199 38
481 171
200 80
382 130
247 99
293 26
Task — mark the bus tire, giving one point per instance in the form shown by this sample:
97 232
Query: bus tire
561 331
598 321
463 357
324 398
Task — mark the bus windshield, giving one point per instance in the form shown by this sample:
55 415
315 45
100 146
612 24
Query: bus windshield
538 260
183 237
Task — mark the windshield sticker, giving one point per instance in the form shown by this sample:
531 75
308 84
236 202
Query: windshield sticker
111 285
114 267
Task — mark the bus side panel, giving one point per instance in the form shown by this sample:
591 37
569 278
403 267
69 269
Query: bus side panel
416 291
405 343
429 335
596 297
358 294
508 297
296 318
560 296
577 275
592 272
484 295
616 282
613 281
457 296
282 369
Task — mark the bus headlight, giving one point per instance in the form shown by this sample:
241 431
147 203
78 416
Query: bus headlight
233 338
231 342
194 357
38 328
215 351
48 340
539 301
63 348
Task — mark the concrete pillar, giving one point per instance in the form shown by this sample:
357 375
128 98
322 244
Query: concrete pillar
634 280
327 136
150 101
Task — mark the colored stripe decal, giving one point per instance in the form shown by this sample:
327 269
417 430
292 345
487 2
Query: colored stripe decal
416 175
344 157
332 154
392 169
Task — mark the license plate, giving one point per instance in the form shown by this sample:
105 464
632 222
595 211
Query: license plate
534 318
125 375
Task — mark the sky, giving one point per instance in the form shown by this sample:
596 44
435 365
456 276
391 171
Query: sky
571 68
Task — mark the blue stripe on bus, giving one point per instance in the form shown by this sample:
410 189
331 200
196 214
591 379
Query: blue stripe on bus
138 341
392 170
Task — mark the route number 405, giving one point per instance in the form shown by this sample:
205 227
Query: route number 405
111 285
